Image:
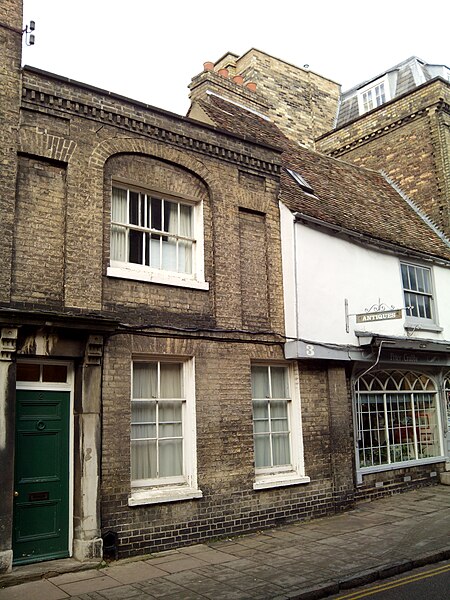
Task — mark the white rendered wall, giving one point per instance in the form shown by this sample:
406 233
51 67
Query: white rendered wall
329 270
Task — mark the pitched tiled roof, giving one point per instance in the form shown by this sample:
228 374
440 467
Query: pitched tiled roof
345 195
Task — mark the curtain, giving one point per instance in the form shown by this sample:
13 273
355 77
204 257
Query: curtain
260 382
169 242
185 246
119 233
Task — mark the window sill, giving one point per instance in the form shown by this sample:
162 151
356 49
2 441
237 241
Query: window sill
166 494
402 465
161 278
264 482
422 326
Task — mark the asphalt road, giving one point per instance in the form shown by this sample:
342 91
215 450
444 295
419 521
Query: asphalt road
428 583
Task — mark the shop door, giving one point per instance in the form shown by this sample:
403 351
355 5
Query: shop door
41 497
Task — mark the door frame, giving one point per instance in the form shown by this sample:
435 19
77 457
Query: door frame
60 387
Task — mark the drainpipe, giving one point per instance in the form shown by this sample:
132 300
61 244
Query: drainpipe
297 331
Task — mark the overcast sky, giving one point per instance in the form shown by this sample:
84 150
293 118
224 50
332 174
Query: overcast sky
149 50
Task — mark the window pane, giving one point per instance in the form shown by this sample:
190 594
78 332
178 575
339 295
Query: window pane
184 257
281 455
169 254
119 206
262 451
379 92
426 281
405 278
171 381
170 217
28 371
170 458
145 380
279 382
260 382
155 250
54 373
134 208
143 431
136 246
427 426
143 412
143 459
373 442
260 409
278 410
260 416
185 220
170 412
118 243
261 426
146 249
156 214
412 278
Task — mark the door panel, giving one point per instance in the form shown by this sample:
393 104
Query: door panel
41 504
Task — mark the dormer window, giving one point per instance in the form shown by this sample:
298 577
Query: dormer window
373 95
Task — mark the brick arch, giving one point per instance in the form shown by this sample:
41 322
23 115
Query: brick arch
111 147
46 145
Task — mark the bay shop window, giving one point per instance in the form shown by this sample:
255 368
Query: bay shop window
398 419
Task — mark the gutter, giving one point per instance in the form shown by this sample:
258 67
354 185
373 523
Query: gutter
367 241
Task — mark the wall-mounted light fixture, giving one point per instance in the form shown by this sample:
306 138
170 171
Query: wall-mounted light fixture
29 37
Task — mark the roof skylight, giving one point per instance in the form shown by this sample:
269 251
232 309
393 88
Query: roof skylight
301 181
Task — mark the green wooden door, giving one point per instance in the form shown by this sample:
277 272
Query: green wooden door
41 502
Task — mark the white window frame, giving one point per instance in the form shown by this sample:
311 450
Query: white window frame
372 89
185 487
294 473
418 322
414 393
137 272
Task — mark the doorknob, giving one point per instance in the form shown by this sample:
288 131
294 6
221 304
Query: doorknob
16 494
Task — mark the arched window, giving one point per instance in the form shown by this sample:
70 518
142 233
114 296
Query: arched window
397 418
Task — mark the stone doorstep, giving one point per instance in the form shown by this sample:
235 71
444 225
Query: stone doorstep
45 570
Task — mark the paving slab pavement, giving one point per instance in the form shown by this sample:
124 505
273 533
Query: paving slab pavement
304 560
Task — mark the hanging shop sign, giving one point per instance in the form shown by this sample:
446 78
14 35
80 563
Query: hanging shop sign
384 315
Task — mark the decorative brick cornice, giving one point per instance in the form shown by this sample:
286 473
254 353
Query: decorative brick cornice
107 116
439 107
379 132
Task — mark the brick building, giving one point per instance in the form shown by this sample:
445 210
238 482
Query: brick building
399 122
141 297
146 392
